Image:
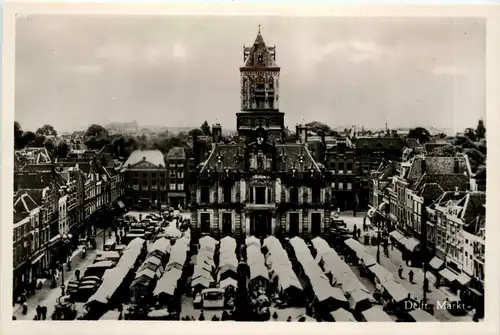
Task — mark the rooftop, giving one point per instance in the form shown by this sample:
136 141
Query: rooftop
176 153
154 157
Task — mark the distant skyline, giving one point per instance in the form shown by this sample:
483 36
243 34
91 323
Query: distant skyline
72 71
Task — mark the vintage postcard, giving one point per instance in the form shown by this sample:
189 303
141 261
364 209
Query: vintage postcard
249 163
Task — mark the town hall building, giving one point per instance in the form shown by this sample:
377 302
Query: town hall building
260 185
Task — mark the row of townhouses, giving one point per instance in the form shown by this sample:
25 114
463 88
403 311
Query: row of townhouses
55 203
435 209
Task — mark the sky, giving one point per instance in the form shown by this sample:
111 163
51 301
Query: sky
73 71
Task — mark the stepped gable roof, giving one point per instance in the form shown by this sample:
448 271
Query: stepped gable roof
153 157
176 153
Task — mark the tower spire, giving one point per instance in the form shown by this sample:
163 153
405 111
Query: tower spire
259 28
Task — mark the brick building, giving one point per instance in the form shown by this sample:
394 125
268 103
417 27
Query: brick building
145 176
178 187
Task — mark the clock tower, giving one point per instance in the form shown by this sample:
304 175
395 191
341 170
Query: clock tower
260 116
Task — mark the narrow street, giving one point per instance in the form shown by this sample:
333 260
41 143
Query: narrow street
416 290
47 296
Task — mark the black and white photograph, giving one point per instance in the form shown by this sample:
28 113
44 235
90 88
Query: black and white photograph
258 168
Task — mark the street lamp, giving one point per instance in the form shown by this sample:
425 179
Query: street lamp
65 241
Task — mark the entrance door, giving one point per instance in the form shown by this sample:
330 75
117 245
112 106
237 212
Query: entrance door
261 224
205 222
294 224
316 224
226 224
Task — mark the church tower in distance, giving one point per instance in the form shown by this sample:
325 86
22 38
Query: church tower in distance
260 115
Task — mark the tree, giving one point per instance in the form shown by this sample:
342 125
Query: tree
421 134
205 128
46 130
62 150
195 132
39 141
480 129
464 142
96 137
318 127
49 145
18 136
476 158
470 133
28 138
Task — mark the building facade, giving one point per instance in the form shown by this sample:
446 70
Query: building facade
177 167
370 152
145 176
257 186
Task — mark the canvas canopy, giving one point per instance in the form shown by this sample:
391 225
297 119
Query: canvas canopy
177 256
162 245
376 314
205 282
321 246
172 232
355 246
207 242
341 315
252 240
228 244
228 282
168 282
381 273
269 240
395 290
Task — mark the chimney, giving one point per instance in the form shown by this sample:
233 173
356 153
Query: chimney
216 133
196 149
301 132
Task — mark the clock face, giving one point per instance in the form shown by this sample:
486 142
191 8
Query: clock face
260 58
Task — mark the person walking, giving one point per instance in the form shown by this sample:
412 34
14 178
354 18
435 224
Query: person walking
400 272
44 312
39 312
355 230
410 276
426 284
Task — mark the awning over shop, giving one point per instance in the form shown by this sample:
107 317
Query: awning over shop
396 235
448 274
410 243
382 206
436 263
38 258
463 279
54 239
